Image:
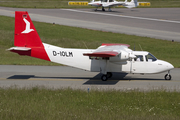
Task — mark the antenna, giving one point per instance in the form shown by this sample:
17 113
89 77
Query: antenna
85 45
140 47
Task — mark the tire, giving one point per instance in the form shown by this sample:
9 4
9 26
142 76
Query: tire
104 77
167 77
109 74
103 9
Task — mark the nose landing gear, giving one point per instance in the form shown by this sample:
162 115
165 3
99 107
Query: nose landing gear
168 76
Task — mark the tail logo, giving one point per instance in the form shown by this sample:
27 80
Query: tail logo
27 29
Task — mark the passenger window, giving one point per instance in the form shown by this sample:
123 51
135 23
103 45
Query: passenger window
139 58
94 58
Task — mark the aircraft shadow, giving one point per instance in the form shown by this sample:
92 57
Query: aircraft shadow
113 11
25 77
96 80
21 77
134 10
116 78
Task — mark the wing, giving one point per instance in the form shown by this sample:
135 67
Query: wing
113 44
108 50
102 54
117 3
110 4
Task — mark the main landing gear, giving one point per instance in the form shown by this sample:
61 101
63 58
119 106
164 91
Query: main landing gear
103 9
109 9
106 76
167 76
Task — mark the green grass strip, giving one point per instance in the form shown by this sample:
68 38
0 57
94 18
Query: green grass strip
72 37
39 103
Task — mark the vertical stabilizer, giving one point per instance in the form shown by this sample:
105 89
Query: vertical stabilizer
134 2
25 33
26 38
131 4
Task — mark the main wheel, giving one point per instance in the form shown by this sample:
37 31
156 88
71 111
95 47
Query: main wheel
103 9
109 74
104 78
167 77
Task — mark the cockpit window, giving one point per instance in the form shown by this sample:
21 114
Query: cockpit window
150 58
139 58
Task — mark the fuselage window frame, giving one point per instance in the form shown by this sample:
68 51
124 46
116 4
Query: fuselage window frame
150 58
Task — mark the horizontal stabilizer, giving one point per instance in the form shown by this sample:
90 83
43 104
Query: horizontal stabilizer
19 49
102 54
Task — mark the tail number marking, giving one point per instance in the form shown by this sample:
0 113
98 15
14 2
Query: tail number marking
63 53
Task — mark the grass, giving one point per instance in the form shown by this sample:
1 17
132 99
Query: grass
73 37
64 3
45 104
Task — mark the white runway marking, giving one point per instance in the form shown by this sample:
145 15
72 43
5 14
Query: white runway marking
140 18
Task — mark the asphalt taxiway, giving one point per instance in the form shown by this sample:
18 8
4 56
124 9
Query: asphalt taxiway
161 23
58 77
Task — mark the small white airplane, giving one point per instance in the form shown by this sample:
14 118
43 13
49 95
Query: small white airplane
105 59
111 3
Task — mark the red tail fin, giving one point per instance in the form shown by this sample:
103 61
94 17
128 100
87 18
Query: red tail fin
26 38
25 32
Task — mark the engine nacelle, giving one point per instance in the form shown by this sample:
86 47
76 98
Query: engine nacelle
124 55
121 57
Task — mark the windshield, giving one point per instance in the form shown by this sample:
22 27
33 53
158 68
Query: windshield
150 58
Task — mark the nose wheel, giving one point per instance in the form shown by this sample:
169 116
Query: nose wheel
168 76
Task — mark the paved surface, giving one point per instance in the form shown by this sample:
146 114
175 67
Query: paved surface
63 77
162 23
